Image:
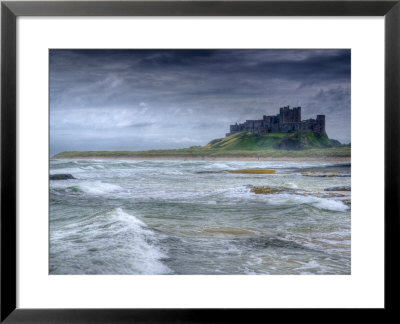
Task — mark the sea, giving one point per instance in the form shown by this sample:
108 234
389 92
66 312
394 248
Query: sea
166 217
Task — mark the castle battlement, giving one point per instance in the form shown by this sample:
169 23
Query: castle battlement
288 120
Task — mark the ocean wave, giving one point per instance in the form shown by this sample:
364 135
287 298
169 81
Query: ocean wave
282 198
330 204
298 199
195 223
110 242
69 170
315 241
96 188
217 165
312 266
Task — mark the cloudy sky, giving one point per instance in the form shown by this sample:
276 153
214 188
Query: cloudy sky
160 99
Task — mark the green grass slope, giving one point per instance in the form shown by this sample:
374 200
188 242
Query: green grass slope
291 141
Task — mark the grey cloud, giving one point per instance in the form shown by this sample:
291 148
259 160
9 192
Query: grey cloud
181 93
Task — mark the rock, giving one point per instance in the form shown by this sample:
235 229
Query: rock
347 202
319 174
265 190
254 171
342 188
61 176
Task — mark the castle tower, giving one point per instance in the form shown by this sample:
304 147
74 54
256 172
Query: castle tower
297 114
287 115
321 123
284 115
280 116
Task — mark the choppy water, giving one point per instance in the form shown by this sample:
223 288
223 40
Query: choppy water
194 217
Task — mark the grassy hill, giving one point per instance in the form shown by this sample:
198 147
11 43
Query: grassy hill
299 144
291 141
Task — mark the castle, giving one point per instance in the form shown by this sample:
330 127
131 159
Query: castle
288 120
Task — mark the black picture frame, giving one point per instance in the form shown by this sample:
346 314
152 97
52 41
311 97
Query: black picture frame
10 10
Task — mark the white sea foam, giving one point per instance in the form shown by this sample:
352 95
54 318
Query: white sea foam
106 243
312 264
244 192
330 204
98 187
67 170
218 166
146 256
320 203
238 193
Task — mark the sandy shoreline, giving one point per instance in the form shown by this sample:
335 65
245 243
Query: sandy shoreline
177 158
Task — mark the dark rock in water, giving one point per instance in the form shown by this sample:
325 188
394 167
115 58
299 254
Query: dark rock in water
342 188
339 168
265 190
347 202
61 176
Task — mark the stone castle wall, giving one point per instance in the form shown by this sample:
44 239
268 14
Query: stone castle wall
288 120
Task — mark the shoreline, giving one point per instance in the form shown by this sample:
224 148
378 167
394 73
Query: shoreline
177 158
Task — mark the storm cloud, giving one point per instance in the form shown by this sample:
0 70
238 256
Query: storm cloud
160 99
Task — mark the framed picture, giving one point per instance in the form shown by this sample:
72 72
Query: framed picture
200 155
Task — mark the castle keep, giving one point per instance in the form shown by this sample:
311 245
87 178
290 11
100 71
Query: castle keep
288 120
